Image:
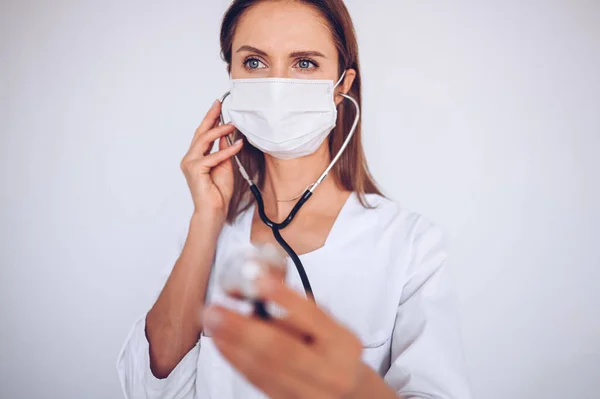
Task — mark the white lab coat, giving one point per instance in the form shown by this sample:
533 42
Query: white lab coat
382 272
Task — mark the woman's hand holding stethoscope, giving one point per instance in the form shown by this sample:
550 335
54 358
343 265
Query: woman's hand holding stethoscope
305 354
210 176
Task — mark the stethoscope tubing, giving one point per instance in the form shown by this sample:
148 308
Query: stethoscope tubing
259 306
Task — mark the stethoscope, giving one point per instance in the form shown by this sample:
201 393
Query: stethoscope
259 306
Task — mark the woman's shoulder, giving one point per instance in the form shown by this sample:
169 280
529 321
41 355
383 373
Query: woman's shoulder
392 218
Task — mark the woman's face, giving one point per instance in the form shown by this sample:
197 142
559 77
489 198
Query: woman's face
283 39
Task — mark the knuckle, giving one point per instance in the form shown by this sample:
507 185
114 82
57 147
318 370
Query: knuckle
202 139
184 165
187 165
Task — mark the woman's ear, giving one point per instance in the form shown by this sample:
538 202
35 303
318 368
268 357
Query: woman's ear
345 85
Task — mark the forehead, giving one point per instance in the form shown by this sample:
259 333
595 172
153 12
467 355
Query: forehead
284 26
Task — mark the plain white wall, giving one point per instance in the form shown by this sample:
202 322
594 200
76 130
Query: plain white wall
484 116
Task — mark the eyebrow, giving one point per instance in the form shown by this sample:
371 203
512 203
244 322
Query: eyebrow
300 54
295 54
252 50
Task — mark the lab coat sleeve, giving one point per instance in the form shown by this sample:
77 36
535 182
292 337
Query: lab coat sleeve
133 362
137 380
426 349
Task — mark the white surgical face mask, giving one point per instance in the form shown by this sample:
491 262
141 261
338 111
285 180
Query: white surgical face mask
286 118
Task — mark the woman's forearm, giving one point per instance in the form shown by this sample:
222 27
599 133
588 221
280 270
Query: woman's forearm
174 322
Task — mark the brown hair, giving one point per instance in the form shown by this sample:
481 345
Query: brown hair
350 171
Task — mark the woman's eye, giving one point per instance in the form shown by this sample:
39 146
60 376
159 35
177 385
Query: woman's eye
306 64
253 63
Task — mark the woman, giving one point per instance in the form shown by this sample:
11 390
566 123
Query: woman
382 323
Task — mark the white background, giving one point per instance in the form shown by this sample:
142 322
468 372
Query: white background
484 116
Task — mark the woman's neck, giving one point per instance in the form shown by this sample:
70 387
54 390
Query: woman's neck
287 180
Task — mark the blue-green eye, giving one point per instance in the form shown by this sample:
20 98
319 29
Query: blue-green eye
253 63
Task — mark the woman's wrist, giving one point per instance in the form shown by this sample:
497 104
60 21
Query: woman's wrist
209 222
202 236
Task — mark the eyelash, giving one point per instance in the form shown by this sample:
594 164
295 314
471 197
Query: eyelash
247 61
315 65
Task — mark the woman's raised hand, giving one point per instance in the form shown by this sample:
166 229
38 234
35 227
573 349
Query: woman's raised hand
210 175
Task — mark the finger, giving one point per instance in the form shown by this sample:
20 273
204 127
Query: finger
302 315
257 350
207 136
269 380
210 119
210 145
205 142
252 343
224 143
214 159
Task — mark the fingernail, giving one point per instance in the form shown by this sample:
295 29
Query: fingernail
217 101
238 142
212 319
